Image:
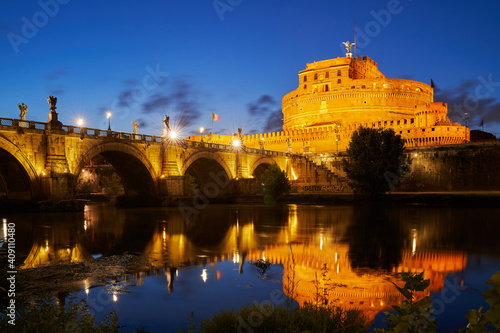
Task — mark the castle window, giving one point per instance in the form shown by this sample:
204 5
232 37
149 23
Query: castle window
412 121
327 75
305 78
379 124
305 86
339 72
399 122
339 81
400 132
363 87
385 123
353 87
423 129
408 131
392 122
406 121
433 129
327 88
315 76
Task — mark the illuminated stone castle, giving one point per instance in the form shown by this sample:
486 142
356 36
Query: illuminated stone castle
335 97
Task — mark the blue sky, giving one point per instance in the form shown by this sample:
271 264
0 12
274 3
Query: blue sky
237 58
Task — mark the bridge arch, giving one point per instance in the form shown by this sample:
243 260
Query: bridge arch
132 165
262 164
207 172
207 155
18 176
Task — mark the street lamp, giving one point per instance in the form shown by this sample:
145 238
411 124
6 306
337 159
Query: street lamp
80 122
172 135
108 115
236 143
202 129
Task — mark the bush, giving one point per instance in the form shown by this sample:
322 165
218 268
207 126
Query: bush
275 182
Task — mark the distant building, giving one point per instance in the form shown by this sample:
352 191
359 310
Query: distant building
335 97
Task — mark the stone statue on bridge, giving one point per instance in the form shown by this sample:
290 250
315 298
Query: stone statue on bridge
209 137
261 143
240 136
136 127
166 122
289 145
52 101
24 111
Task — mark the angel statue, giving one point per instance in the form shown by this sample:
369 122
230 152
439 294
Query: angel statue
52 101
24 111
136 127
166 122
348 47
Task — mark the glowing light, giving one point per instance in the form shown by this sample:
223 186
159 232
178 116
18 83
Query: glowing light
87 291
321 244
172 134
80 122
294 175
83 170
47 245
202 129
4 230
338 268
85 225
415 155
204 275
263 255
108 115
236 143
115 298
413 241
162 176
262 139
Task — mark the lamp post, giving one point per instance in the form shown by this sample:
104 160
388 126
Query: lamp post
80 122
108 115
202 129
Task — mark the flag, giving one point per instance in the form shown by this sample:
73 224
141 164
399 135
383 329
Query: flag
432 84
482 123
215 117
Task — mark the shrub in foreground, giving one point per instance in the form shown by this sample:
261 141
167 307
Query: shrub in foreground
269 318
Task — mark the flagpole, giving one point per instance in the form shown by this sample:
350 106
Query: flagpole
212 123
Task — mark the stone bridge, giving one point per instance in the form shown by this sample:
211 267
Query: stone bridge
43 161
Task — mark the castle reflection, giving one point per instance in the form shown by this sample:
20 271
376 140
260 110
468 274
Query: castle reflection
363 248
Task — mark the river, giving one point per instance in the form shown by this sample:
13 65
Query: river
204 260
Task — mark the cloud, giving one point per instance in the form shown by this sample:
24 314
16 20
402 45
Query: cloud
262 106
157 102
181 97
56 92
55 75
265 108
274 122
471 97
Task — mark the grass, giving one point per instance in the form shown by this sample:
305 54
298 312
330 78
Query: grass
276 319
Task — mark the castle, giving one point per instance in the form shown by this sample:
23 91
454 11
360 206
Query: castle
335 97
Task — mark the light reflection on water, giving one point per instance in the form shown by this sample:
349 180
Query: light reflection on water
203 266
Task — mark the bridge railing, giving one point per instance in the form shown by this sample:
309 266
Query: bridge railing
8 122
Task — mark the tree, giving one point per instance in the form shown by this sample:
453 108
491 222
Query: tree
275 181
375 161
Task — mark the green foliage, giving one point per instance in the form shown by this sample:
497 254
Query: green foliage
112 185
490 320
375 161
275 181
324 287
46 316
271 318
411 316
190 184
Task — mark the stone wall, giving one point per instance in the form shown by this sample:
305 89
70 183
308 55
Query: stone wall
466 167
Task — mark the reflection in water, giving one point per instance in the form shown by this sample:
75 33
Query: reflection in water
363 248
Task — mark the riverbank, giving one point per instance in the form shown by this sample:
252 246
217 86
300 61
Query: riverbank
433 199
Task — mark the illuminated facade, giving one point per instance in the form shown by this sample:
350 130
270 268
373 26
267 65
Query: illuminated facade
335 97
